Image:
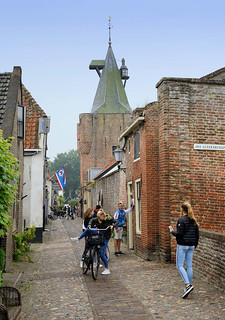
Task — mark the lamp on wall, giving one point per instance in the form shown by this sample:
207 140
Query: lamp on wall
118 154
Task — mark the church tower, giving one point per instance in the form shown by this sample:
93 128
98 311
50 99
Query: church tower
98 131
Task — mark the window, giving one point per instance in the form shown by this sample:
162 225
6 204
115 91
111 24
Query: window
113 149
21 116
136 145
129 145
138 205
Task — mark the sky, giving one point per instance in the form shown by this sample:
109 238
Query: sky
54 42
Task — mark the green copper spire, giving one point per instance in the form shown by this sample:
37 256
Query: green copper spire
110 96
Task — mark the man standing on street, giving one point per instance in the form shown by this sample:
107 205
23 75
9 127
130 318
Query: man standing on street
120 215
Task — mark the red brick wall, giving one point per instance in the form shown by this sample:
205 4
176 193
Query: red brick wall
146 169
96 136
192 112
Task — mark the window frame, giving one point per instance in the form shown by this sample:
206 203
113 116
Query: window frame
21 122
136 153
138 205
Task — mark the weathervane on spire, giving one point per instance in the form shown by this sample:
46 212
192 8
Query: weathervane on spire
110 30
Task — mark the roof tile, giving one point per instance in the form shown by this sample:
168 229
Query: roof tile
4 87
34 112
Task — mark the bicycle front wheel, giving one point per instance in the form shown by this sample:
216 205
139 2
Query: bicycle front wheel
95 263
86 264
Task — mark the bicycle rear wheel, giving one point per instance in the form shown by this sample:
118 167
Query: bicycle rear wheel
95 263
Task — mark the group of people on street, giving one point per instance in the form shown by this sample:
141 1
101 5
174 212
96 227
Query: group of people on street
98 219
187 237
68 212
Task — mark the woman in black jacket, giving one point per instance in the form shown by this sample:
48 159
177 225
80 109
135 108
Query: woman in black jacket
187 236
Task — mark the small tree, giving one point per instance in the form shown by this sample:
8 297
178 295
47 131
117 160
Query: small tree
9 176
61 200
73 202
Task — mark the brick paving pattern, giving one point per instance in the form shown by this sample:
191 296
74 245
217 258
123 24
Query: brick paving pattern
53 287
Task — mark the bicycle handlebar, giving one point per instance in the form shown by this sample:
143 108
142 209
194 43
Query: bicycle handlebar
99 229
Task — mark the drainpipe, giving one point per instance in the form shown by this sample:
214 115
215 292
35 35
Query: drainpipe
95 117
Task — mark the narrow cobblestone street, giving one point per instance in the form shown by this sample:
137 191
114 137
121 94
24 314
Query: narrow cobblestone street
53 287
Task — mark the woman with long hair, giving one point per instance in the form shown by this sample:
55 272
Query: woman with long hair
187 236
87 217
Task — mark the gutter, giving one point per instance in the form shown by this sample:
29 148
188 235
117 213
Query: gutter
106 171
31 152
131 128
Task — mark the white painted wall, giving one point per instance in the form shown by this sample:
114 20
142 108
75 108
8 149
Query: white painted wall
33 188
50 192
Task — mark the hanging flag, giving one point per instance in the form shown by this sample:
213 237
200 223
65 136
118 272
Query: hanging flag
61 178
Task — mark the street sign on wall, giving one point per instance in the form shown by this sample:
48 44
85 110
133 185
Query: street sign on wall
216 147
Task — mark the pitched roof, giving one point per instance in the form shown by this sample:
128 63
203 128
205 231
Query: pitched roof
216 75
110 96
110 165
4 87
33 113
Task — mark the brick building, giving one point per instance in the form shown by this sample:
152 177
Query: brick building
174 151
98 131
191 163
12 122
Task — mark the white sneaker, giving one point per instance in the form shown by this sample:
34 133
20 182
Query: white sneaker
75 239
100 266
106 271
81 263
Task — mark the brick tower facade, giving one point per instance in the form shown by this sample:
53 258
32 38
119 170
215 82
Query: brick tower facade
98 131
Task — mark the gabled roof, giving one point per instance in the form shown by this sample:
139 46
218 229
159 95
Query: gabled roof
33 113
4 87
110 96
216 75
109 166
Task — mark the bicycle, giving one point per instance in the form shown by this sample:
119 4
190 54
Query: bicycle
93 255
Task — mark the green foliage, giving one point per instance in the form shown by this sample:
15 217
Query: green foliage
9 176
73 202
93 183
61 200
2 264
23 242
2 259
58 208
72 170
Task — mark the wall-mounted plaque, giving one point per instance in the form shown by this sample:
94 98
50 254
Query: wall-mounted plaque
216 147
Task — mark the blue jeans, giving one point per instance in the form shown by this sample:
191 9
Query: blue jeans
185 253
87 232
103 256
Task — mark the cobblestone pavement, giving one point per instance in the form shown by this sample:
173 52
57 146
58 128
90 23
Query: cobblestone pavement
53 287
